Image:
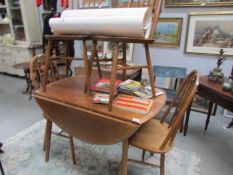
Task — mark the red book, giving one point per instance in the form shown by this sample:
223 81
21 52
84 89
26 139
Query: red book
103 85
132 103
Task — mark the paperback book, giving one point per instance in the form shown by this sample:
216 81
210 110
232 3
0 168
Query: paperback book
103 85
132 103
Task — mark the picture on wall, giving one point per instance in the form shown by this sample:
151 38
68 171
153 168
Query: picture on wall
168 32
109 49
93 3
198 3
124 3
207 33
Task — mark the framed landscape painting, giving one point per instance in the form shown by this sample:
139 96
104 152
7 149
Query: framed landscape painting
198 3
168 32
207 33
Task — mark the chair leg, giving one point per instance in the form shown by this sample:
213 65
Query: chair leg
124 161
72 149
1 168
187 119
143 155
48 139
162 161
182 125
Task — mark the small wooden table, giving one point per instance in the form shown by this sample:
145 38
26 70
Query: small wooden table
213 92
66 104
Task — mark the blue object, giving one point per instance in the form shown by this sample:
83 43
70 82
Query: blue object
173 73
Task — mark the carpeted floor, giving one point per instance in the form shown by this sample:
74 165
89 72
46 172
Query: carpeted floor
24 156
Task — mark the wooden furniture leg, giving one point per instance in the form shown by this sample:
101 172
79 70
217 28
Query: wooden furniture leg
143 155
208 115
162 161
67 61
72 149
150 70
113 75
47 56
86 68
215 109
124 61
124 161
187 119
48 139
97 61
1 168
93 55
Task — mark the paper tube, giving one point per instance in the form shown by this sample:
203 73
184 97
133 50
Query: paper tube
105 22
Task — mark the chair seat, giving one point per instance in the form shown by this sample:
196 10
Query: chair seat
151 136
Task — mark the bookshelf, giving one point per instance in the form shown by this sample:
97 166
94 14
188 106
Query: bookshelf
19 30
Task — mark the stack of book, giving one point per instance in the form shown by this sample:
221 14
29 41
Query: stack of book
129 86
133 104
135 88
101 90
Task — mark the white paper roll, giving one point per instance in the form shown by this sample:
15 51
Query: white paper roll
105 22
143 11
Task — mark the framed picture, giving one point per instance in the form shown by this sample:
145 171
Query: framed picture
100 46
124 3
198 3
93 4
109 49
207 33
168 32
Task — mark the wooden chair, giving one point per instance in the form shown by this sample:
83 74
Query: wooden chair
158 136
37 77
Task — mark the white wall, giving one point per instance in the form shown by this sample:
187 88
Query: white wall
176 56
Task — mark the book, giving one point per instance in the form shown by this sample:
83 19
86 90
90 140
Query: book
132 103
145 92
128 86
103 85
101 98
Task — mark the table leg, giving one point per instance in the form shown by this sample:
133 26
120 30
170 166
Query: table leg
124 162
48 139
187 119
124 61
86 69
230 124
208 115
1 168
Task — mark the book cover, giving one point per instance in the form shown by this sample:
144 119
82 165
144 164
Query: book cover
103 85
101 98
145 92
132 103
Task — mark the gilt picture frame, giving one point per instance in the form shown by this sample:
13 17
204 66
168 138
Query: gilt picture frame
168 32
208 32
198 3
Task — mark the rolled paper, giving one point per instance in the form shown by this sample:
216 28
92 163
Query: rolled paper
121 22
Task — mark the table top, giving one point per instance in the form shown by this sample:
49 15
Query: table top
212 90
213 86
71 91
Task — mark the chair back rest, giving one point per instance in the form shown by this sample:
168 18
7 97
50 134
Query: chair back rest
169 72
156 6
180 103
37 66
